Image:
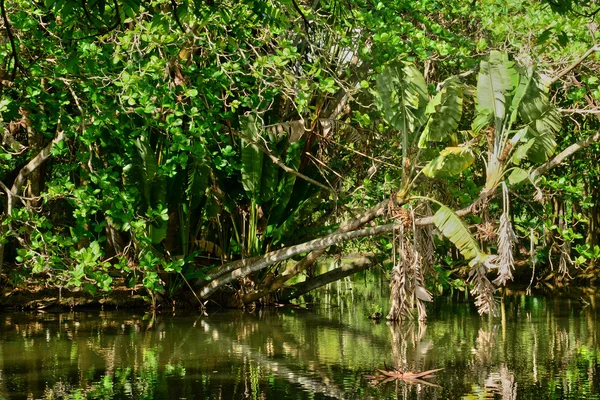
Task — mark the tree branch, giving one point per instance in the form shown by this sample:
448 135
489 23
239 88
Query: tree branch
35 163
316 244
579 110
284 167
355 223
13 46
568 152
575 64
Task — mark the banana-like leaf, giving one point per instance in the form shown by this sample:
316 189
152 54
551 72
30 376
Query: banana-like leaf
543 118
536 147
198 174
285 187
495 81
444 111
536 106
158 231
482 119
451 161
252 157
454 229
147 164
402 96
517 176
522 86
541 147
152 185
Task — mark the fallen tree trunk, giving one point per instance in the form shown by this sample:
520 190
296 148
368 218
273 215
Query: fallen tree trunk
353 224
321 243
297 290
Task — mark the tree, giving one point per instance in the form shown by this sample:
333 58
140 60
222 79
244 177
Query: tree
188 144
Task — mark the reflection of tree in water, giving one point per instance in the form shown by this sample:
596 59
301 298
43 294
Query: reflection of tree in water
495 380
409 352
486 343
544 347
408 345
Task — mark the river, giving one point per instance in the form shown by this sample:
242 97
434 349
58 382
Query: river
539 347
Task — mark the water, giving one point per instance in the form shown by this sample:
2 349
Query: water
539 348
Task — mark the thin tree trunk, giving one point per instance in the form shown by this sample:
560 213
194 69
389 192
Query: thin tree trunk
297 290
20 180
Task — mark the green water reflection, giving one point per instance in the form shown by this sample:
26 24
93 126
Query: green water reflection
540 348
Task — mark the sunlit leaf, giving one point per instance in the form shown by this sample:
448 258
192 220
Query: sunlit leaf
455 230
451 161
444 111
541 147
517 176
402 96
493 84
252 157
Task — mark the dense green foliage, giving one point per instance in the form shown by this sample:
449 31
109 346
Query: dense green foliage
147 143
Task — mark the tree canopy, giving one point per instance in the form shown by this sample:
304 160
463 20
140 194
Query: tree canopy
216 149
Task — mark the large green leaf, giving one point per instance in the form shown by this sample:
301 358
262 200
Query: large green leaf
148 166
536 147
152 185
451 161
286 183
198 174
270 171
495 81
444 111
454 229
536 107
517 176
542 118
524 82
402 96
541 147
252 157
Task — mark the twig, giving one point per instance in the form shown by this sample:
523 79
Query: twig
281 165
13 46
176 15
36 162
579 111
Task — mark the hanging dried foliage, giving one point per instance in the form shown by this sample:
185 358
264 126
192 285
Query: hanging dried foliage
408 291
483 289
506 242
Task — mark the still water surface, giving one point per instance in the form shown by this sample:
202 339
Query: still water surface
539 348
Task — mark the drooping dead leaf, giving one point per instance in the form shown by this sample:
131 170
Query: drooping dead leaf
389 375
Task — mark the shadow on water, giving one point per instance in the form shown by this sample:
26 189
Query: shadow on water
538 348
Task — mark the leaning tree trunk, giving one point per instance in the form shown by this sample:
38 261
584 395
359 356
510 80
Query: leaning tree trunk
297 290
351 225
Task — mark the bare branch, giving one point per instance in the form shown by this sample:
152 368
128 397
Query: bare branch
360 264
13 46
579 111
256 264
